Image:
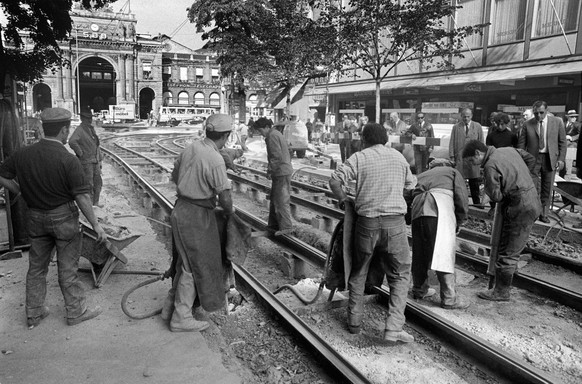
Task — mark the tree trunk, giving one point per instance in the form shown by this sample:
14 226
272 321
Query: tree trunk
378 106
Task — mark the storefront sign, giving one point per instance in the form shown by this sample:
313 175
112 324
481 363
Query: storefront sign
122 111
473 88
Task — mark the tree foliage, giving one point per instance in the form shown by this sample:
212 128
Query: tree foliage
264 41
44 23
377 35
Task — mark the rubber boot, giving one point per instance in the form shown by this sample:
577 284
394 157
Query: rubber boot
182 319
168 307
500 291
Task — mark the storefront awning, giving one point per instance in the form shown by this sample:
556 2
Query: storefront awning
504 74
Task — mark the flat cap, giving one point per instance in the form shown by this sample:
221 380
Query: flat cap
219 122
55 115
86 112
420 115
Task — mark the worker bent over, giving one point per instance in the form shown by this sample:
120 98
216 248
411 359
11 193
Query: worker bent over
508 182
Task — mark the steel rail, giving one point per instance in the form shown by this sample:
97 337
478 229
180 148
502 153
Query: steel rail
343 368
546 257
487 354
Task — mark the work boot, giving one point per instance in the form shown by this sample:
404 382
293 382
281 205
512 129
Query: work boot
395 336
88 315
459 304
182 319
429 293
500 292
35 321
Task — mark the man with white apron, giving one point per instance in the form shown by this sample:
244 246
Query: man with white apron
439 207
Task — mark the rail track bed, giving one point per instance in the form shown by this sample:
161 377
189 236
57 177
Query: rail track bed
530 339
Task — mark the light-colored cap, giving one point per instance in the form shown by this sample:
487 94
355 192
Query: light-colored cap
219 122
572 112
55 115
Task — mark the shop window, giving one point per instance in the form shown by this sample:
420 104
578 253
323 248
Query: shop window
547 18
96 76
214 99
183 73
147 70
107 76
471 13
183 98
199 98
199 74
507 21
86 75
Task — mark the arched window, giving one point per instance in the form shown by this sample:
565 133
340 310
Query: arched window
183 98
214 99
199 98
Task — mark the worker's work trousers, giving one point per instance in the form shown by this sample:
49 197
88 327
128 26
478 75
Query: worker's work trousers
280 200
345 149
518 220
93 173
545 179
420 159
474 185
388 235
57 227
424 230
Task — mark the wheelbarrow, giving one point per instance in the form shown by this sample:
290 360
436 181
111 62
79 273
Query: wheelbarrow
571 192
104 257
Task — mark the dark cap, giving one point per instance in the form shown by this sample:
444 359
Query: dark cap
219 122
420 115
86 112
55 115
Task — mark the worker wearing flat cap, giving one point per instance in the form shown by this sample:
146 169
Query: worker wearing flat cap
200 176
85 142
53 184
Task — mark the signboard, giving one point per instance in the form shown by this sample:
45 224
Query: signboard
122 111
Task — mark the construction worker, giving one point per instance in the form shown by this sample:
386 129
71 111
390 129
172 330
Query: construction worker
53 186
439 208
508 181
85 143
381 174
200 175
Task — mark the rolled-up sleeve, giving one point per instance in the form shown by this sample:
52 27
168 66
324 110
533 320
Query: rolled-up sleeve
219 179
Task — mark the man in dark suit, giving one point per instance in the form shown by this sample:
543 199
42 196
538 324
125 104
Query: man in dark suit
572 128
462 132
421 128
545 138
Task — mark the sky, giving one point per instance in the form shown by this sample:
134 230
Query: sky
163 16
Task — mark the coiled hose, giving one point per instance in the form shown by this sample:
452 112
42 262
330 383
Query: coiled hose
299 295
160 276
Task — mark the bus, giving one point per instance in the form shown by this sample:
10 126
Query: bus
173 115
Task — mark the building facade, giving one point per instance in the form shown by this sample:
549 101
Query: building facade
531 51
112 65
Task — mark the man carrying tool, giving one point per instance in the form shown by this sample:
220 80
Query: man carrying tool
381 174
438 209
279 170
509 183
51 181
200 175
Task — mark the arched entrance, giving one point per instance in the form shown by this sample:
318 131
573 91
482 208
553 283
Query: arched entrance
41 97
146 98
96 83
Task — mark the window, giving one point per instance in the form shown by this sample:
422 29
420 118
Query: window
471 13
167 70
199 98
507 21
183 98
214 99
199 74
547 20
215 76
146 69
107 76
96 75
86 75
183 73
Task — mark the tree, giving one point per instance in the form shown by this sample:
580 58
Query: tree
264 42
377 35
44 23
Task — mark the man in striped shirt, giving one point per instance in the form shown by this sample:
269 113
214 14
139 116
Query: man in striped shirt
380 174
